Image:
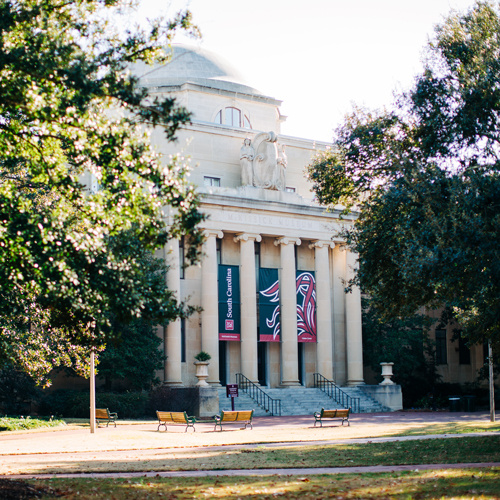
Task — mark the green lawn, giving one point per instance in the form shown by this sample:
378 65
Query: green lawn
446 483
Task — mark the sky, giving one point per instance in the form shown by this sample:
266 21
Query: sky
317 56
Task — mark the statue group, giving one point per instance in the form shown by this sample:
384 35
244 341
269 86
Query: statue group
263 163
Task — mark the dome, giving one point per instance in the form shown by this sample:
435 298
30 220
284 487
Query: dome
193 65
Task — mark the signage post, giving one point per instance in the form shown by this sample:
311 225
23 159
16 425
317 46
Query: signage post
232 392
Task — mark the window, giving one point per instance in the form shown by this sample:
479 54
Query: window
218 250
233 117
257 263
183 340
290 189
211 181
463 352
441 353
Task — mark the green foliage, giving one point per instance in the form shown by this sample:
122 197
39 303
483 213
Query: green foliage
75 404
134 356
21 424
17 391
203 356
174 399
425 177
73 118
405 342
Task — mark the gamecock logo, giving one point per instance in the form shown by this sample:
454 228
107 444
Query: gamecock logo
306 312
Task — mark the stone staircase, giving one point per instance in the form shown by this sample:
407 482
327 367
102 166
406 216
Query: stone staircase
299 401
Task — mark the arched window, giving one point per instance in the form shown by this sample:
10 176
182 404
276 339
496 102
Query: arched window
232 117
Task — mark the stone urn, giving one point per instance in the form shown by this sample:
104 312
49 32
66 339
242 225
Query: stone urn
387 373
201 372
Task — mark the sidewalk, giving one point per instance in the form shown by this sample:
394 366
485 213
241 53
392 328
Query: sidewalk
129 445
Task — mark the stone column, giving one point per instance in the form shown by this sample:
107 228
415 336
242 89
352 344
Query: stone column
288 313
324 347
354 338
209 303
172 332
248 305
339 341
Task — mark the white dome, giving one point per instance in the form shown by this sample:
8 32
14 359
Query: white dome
193 65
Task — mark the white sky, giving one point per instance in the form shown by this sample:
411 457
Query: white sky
317 56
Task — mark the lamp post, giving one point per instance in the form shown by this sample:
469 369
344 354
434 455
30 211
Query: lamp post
492 382
92 391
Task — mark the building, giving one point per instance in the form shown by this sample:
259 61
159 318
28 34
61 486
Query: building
271 282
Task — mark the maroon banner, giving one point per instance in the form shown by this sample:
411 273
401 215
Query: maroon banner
269 305
306 306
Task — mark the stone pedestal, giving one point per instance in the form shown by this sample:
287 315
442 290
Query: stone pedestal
208 402
390 396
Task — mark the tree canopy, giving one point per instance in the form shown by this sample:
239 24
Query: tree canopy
424 176
80 185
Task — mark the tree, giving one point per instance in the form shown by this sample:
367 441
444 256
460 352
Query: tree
71 110
406 341
134 353
134 357
424 177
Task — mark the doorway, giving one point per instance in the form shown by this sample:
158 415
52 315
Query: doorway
300 351
262 363
223 362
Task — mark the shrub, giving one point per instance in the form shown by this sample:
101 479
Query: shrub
174 399
76 404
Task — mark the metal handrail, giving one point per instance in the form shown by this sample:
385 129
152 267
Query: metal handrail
336 393
273 406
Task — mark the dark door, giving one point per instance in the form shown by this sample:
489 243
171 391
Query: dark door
301 363
223 362
262 362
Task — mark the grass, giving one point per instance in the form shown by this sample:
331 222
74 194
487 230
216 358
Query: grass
448 428
445 483
459 450
432 451
19 424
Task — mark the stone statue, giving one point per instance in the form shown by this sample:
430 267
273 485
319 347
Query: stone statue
247 155
266 169
263 164
281 163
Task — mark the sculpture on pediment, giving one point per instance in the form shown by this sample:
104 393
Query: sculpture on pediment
263 163
281 168
247 155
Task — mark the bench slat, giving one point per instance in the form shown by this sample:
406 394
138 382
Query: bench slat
338 413
103 414
234 416
175 417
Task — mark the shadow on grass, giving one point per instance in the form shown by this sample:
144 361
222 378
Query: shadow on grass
400 485
441 451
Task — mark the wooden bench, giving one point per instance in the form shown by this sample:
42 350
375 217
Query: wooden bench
231 417
319 416
104 415
175 417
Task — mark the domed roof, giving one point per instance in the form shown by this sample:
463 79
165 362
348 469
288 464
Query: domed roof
193 65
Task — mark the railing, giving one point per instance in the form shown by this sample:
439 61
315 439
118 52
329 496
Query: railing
273 406
336 393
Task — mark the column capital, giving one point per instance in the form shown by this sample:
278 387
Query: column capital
248 236
321 244
285 240
213 232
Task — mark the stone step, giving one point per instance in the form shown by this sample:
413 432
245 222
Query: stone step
299 401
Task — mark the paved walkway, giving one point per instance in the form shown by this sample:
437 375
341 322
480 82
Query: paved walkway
133 447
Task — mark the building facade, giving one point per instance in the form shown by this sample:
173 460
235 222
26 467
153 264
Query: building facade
271 280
